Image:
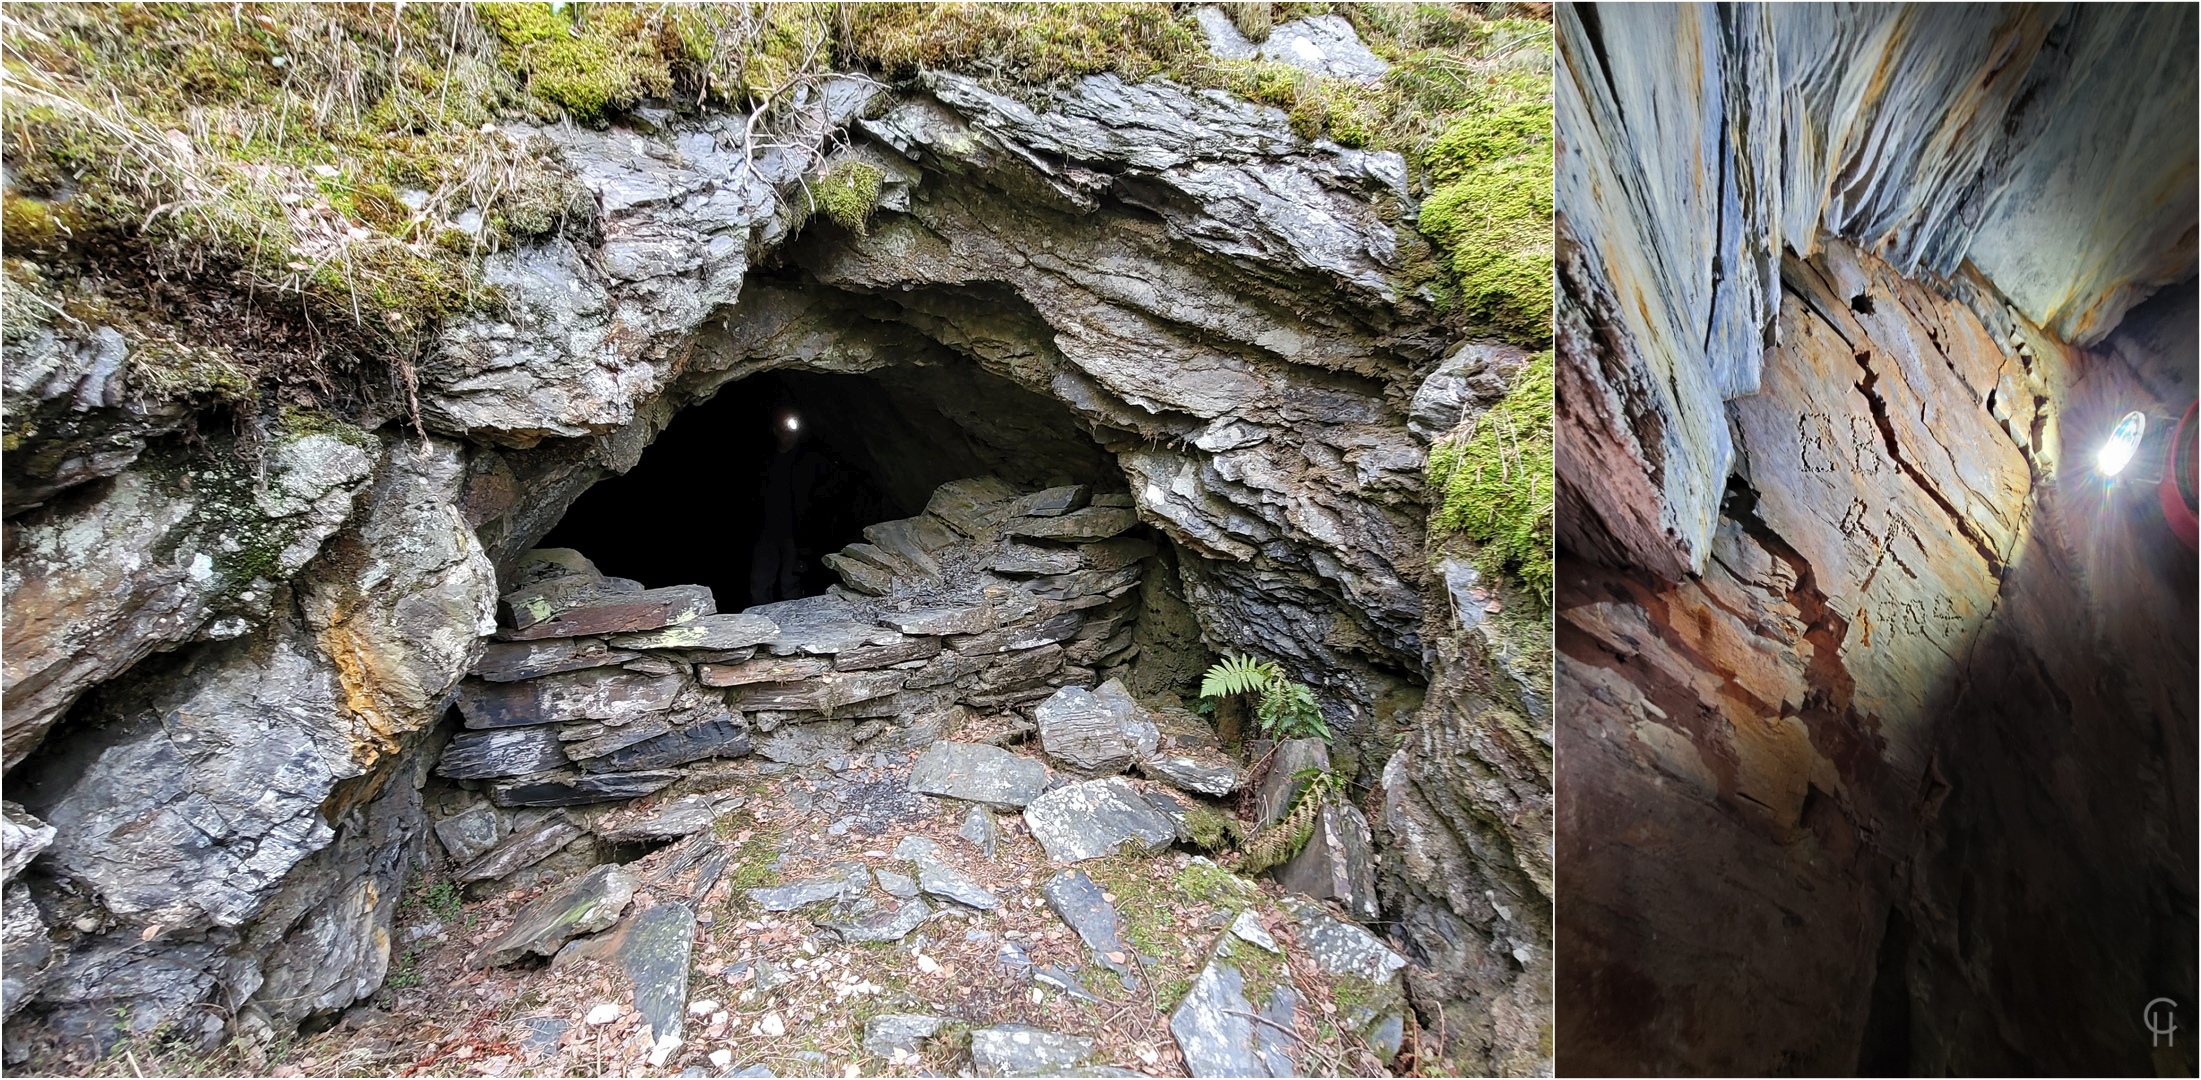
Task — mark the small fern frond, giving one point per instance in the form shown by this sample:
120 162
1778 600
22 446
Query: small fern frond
1237 675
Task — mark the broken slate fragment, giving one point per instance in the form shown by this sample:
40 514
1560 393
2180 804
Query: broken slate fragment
510 661
610 694
888 1032
670 820
937 877
584 615
1337 863
1094 731
1216 1026
1372 998
479 755
1080 903
1023 1050
522 849
978 773
979 828
716 632
1079 526
719 737
765 669
1091 819
847 879
973 506
1214 776
938 621
899 886
820 626
870 920
584 907
568 788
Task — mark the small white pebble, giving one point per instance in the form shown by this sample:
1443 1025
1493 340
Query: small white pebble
722 1058
704 1007
772 1025
602 1014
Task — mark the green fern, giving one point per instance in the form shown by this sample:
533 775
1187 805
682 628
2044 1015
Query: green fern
1237 675
1285 709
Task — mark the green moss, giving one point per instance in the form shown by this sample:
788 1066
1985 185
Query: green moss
1489 213
1211 828
1493 484
848 193
607 62
1204 881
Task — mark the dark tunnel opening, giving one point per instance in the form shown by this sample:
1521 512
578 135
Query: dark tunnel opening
869 448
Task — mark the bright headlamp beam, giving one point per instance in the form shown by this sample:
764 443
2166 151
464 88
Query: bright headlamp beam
794 424
2124 441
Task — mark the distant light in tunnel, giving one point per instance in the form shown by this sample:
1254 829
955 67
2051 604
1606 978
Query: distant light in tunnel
2124 441
794 423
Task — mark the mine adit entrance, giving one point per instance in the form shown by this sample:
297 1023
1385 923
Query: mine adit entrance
866 448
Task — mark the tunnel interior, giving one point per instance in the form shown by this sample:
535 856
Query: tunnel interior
868 448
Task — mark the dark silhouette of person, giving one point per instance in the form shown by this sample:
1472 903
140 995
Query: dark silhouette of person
775 570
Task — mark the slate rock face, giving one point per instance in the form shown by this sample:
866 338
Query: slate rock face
1080 903
1338 863
718 737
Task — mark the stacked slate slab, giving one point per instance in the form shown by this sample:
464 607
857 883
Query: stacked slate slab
598 689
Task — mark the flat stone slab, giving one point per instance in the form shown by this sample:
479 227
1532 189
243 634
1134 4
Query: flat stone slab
1078 526
542 617
1081 904
594 740
764 669
670 820
1279 786
1086 584
1357 958
1091 819
1027 560
822 693
913 539
972 506
1052 502
1023 1050
1219 1030
820 626
870 920
978 773
861 575
1016 669
590 904
510 661
569 788
1214 776
940 621
1048 631
1115 554
888 1032
714 632
653 950
479 755
522 849
879 656
847 879
721 736
610 694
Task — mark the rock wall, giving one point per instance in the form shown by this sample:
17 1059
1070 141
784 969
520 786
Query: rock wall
274 642
1850 765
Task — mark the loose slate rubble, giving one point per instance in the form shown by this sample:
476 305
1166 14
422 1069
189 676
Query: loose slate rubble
938 878
978 773
870 920
584 907
570 788
588 613
509 661
980 829
1023 1050
719 737
1091 819
716 632
1212 775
